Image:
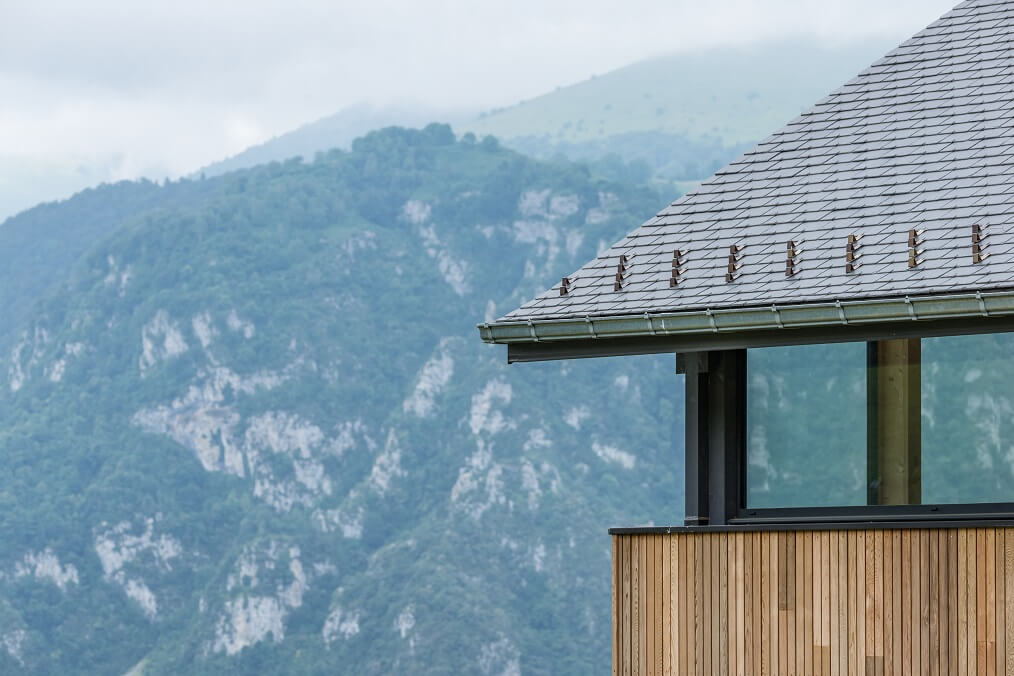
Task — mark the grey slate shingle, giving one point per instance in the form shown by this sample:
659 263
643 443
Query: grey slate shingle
923 139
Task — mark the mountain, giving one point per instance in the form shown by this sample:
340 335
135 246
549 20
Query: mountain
248 426
673 120
26 182
39 247
730 95
333 131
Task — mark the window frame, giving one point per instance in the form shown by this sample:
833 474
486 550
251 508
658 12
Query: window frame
921 513
976 511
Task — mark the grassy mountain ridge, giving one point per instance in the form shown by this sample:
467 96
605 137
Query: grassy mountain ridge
696 108
254 431
729 95
675 118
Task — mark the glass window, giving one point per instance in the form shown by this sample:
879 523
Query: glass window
806 426
893 422
968 419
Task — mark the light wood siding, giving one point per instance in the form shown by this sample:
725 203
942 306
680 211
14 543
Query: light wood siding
877 602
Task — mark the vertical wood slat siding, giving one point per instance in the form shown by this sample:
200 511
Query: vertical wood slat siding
873 602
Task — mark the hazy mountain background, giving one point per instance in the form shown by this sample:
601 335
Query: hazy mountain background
248 424
671 121
732 95
334 131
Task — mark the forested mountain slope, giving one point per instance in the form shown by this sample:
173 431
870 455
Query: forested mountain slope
39 247
248 426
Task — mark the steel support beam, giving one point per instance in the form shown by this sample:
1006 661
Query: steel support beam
715 428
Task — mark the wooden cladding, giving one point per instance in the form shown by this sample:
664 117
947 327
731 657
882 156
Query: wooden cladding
878 602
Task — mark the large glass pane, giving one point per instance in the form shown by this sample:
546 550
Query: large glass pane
806 426
968 419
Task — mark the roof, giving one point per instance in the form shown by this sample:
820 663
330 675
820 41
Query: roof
923 140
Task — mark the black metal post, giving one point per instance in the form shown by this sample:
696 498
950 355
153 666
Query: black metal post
695 366
715 429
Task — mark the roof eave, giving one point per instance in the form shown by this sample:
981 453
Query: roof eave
748 319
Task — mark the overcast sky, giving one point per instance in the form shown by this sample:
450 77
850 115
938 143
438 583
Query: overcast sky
155 86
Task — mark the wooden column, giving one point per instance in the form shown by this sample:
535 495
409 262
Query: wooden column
895 422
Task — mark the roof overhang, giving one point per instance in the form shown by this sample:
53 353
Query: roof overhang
767 326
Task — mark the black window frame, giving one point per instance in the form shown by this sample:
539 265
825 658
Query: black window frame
716 444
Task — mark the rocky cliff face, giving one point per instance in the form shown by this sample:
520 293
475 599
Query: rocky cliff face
257 431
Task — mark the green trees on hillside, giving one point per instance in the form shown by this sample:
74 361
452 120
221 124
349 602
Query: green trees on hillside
251 414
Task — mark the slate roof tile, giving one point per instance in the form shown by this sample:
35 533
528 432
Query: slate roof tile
923 139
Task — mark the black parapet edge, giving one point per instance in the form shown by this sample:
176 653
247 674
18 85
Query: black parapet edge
893 517
819 526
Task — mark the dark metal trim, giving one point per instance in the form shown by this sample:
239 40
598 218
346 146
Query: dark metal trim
726 434
873 513
709 342
695 366
715 430
997 522
872 423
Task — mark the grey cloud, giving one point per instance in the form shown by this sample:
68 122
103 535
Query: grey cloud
231 48
179 84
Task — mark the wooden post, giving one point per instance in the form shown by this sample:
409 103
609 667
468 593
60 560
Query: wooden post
895 422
